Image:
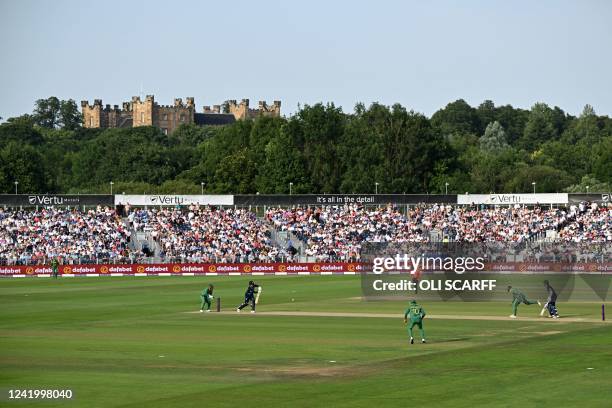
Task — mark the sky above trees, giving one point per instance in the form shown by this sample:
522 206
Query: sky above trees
419 54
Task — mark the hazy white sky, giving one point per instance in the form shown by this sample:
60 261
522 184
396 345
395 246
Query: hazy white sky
420 55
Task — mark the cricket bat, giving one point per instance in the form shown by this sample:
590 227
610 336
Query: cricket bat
543 310
258 293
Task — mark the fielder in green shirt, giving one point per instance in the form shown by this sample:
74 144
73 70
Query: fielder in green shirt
416 314
519 297
207 297
55 267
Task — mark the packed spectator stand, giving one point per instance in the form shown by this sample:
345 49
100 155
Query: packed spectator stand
336 233
233 234
205 234
96 235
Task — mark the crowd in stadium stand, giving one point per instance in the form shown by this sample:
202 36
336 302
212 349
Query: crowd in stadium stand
330 233
588 224
337 232
71 236
205 234
334 233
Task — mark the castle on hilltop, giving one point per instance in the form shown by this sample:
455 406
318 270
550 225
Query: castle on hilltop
169 117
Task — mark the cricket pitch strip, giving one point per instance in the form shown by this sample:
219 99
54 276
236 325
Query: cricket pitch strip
400 316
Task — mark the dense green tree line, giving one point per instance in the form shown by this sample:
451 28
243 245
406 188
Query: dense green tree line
318 149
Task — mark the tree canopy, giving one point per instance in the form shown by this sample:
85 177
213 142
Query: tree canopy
319 149
53 113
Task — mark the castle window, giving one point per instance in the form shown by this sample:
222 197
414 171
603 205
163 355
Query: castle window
141 117
165 131
165 116
182 117
91 122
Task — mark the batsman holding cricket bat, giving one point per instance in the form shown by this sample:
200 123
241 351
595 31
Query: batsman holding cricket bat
249 297
551 301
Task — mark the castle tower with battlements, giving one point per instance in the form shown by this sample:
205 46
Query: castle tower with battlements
147 112
243 111
96 116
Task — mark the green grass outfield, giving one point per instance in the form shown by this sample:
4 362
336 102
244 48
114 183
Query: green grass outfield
135 342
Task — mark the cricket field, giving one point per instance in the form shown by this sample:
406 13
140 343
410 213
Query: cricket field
141 342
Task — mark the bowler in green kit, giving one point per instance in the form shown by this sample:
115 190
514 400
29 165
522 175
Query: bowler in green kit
207 297
519 297
416 314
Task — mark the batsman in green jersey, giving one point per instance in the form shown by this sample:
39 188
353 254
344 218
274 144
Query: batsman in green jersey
207 297
519 297
55 267
416 314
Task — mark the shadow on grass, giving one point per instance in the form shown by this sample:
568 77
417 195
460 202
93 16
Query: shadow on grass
454 339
